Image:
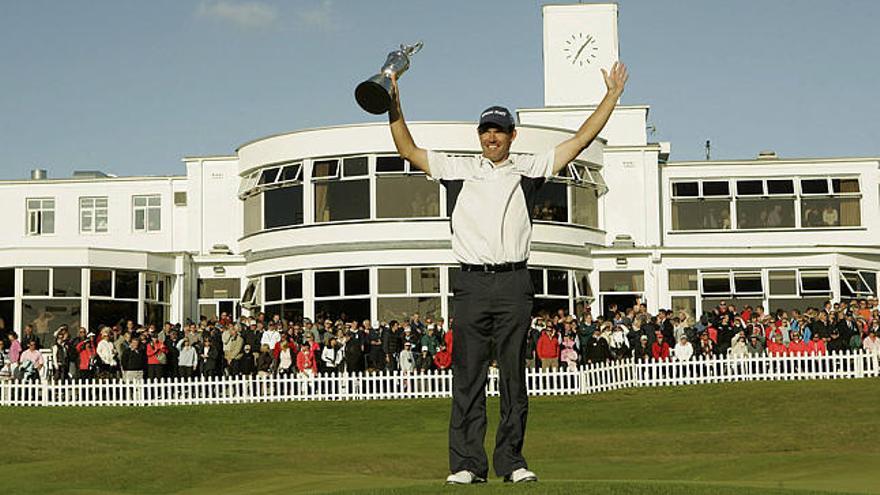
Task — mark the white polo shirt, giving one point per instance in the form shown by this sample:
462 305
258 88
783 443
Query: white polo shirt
491 221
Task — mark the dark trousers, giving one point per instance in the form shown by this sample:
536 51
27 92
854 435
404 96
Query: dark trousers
154 371
489 307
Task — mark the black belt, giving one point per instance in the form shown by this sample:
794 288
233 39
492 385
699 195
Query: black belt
503 267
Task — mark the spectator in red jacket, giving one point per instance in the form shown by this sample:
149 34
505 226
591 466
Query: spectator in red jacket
155 357
797 346
447 337
660 349
548 348
776 347
87 355
816 346
305 361
443 358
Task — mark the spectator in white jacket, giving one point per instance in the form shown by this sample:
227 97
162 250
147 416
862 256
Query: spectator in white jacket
406 360
332 355
683 351
271 336
106 350
872 342
187 359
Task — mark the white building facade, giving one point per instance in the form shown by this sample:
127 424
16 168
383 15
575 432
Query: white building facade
331 221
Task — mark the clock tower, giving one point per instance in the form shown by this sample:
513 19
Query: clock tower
579 40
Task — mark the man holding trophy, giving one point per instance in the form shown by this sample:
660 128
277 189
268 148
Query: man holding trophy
491 233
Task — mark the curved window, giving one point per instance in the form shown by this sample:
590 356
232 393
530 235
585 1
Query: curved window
572 196
341 193
403 191
283 207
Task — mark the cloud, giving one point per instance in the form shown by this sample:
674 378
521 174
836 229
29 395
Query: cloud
319 17
247 14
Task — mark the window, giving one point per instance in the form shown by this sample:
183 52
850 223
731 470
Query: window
765 213
283 288
101 283
251 297
392 280
268 176
837 205
253 214
683 280
853 284
344 196
247 184
737 283
552 289
7 284
688 304
219 288
766 203
147 213
66 282
35 282
283 207
40 216
117 284
870 278
179 198
557 282
747 283
404 291
621 281
716 283
551 202
7 294
343 293
582 285
93 215
402 191
126 284
814 282
584 206
685 189
701 205
783 282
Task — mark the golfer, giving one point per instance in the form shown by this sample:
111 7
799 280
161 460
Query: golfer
491 232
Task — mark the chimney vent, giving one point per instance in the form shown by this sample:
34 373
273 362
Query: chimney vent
39 174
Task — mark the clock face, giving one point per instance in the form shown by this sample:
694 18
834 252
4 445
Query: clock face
580 49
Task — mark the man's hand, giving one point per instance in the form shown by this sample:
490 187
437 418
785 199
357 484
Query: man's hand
616 80
571 148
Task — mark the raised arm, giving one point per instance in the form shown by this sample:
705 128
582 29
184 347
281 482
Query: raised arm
567 150
403 140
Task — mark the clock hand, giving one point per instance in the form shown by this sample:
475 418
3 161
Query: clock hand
578 54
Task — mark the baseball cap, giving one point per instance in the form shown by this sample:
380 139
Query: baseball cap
496 117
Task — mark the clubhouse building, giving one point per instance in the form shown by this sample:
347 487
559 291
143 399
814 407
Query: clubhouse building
330 220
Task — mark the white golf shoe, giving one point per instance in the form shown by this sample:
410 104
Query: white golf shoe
464 477
521 475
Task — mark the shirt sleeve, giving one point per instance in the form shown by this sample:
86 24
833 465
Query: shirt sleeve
444 166
540 165
438 164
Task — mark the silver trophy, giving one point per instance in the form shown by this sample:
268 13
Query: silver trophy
374 94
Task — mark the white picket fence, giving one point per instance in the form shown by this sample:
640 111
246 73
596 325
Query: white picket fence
588 379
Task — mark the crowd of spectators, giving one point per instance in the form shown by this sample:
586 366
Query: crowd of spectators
266 345
560 340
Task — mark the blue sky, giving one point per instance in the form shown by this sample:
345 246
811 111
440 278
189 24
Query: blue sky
132 87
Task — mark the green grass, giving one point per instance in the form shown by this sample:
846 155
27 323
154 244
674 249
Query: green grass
745 438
